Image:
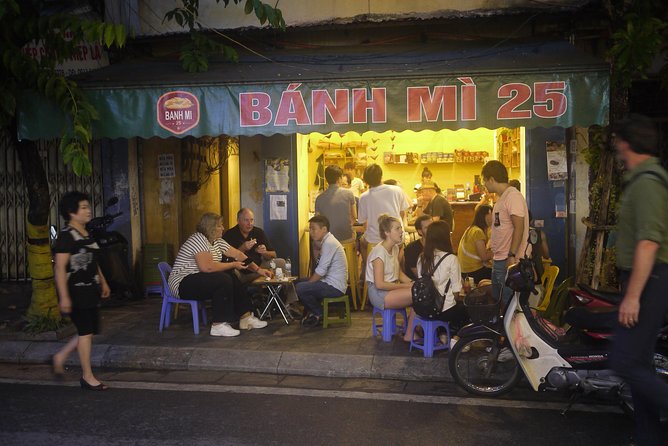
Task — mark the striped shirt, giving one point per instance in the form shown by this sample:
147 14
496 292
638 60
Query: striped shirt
185 263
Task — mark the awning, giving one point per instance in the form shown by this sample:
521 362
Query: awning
352 89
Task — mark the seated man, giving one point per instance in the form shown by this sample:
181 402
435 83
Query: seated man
252 241
414 248
330 278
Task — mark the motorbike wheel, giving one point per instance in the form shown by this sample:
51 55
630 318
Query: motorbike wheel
661 366
474 365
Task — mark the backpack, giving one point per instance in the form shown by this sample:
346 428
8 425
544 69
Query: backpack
427 301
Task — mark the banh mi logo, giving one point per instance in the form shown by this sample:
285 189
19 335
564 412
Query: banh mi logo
178 111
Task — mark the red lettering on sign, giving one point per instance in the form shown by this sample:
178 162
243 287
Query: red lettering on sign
292 108
469 105
321 103
518 94
442 101
377 104
254 109
549 99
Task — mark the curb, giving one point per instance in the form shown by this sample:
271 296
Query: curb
234 360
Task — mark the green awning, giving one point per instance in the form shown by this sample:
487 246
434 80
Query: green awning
530 85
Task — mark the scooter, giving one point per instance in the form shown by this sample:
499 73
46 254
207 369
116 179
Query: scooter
491 356
114 255
584 295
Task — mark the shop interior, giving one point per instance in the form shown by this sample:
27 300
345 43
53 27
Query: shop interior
455 159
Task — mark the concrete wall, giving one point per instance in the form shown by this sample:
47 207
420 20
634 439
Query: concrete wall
305 13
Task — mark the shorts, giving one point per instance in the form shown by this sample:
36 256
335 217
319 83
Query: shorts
376 296
87 320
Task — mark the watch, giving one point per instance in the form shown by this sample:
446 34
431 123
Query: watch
511 254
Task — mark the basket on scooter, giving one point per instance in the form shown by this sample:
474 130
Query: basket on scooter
481 305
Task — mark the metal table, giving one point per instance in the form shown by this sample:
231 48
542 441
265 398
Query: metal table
274 286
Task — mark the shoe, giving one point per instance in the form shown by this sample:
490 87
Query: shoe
224 329
86 386
251 322
505 354
311 321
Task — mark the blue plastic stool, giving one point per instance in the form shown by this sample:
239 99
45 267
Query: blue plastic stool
431 341
390 326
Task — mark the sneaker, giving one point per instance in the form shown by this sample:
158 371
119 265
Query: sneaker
505 354
251 322
224 329
311 321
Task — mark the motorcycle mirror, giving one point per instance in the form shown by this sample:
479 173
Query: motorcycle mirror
112 201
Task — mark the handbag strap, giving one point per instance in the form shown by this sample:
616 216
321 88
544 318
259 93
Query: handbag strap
447 286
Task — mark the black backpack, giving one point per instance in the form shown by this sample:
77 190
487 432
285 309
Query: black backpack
427 301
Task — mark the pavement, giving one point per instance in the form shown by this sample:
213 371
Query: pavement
130 339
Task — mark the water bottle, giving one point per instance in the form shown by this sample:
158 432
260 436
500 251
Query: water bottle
288 267
272 265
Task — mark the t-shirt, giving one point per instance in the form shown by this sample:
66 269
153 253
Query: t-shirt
336 204
357 186
390 263
411 253
185 263
643 212
83 280
440 207
511 202
382 199
234 237
467 252
447 270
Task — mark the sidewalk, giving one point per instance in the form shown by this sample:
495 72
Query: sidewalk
130 340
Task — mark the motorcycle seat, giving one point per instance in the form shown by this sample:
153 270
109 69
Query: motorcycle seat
586 319
612 297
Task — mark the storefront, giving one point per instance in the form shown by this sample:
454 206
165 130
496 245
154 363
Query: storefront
448 110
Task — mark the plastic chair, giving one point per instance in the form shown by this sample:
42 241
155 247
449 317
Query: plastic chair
353 275
390 326
370 246
549 277
326 319
430 342
168 299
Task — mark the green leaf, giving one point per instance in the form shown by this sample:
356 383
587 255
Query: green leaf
119 30
248 8
109 35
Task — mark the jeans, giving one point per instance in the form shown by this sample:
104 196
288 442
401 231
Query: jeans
499 271
633 353
228 299
312 293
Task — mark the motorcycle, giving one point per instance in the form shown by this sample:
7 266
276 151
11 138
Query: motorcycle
493 354
586 296
113 258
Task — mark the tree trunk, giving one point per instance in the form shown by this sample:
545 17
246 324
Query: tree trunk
44 303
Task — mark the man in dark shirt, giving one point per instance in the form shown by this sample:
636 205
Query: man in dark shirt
414 248
438 207
250 239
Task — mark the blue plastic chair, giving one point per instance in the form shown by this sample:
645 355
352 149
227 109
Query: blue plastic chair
390 325
168 299
430 342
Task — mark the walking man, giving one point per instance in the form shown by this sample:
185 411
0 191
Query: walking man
642 259
510 227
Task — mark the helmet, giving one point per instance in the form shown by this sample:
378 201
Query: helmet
520 276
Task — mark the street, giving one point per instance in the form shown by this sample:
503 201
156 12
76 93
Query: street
177 408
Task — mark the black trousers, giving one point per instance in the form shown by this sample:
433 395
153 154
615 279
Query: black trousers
456 316
227 296
633 354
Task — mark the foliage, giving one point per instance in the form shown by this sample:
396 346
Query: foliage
61 34
196 53
44 322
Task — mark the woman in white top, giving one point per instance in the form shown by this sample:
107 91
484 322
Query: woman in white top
388 286
437 244
200 274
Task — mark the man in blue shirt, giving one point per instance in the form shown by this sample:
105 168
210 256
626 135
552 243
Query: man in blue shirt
330 278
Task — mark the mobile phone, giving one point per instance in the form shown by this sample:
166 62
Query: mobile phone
248 261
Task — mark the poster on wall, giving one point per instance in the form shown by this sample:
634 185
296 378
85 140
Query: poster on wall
166 165
278 207
556 161
276 175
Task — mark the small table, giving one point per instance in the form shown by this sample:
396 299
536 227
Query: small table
274 286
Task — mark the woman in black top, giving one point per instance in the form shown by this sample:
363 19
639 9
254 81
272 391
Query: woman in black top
80 284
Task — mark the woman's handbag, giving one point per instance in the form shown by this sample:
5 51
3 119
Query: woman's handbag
427 301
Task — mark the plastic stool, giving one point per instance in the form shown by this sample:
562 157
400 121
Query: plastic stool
326 320
431 341
390 326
